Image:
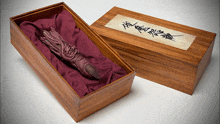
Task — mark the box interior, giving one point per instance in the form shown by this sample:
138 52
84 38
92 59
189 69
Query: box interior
47 13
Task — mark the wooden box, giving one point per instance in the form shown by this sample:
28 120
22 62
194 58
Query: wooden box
145 43
76 106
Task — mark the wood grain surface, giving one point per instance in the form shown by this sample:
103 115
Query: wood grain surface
166 65
77 107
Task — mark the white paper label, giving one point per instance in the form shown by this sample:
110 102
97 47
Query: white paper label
152 32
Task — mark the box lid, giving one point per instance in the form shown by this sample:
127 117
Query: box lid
192 55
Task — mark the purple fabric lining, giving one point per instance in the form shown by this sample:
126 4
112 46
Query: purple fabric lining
64 24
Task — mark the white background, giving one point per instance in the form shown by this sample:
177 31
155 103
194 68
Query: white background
26 100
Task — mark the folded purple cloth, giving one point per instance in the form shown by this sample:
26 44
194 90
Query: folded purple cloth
64 24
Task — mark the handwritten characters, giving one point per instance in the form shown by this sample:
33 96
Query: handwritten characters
149 30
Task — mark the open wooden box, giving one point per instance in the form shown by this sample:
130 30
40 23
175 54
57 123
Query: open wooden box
77 107
167 65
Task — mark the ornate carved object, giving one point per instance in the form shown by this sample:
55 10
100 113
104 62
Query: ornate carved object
68 53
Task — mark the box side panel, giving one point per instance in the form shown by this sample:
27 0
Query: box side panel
155 67
106 95
51 78
204 63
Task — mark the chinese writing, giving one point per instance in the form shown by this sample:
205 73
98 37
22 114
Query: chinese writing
149 30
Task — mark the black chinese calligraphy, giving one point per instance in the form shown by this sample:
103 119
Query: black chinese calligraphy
149 30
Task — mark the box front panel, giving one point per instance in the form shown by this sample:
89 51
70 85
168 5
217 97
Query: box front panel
106 95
